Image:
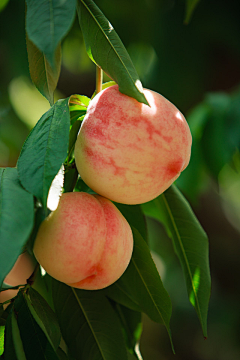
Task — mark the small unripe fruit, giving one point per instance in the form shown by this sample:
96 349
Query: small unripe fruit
130 152
86 242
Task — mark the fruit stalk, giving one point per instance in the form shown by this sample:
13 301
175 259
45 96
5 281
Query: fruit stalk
99 78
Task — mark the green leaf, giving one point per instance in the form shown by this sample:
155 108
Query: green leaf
135 217
143 284
61 354
88 323
4 314
16 219
105 48
44 77
131 324
78 102
190 7
9 346
45 150
17 342
190 244
73 136
2 329
45 317
70 179
47 22
35 344
117 293
77 107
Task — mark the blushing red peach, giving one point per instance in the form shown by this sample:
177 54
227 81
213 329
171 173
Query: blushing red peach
86 242
18 275
130 152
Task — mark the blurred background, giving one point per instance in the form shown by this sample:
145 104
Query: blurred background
197 67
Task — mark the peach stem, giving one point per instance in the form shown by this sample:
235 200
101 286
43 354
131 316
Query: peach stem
99 78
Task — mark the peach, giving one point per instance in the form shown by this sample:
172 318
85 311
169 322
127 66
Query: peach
130 152
86 242
18 275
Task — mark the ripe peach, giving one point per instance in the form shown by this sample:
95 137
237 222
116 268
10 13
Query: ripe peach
21 271
130 152
86 242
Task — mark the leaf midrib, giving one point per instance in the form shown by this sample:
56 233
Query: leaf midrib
89 324
183 252
108 39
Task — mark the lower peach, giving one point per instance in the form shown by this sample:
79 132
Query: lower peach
85 243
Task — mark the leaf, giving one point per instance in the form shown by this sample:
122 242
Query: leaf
16 219
143 284
190 7
45 150
61 354
105 48
117 293
190 244
73 136
77 107
78 102
44 76
88 323
35 344
9 346
17 342
2 329
45 317
70 179
4 314
47 22
135 217
131 325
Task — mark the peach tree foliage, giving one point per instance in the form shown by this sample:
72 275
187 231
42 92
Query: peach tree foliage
103 324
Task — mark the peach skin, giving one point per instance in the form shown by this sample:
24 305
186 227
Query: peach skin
86 242
129 152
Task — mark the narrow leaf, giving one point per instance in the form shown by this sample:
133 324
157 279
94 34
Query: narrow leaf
35 344
44 76
17 341
45 317
131 322
61 354
2 329
45 150
47 22
190 243
89 325
143 284
9 348
105 48
16 219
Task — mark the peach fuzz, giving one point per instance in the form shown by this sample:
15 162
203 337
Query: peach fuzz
18 275
86 242
130 152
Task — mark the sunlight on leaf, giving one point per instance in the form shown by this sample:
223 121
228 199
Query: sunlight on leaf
2 328
196 281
